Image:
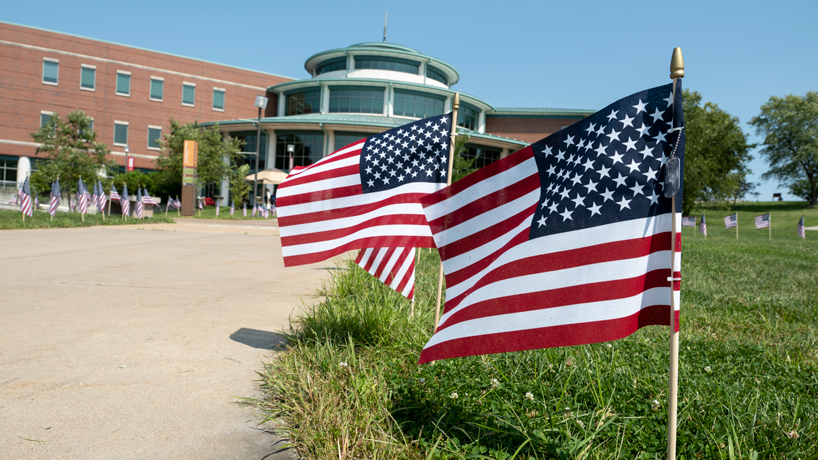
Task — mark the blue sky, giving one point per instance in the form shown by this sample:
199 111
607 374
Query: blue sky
510 53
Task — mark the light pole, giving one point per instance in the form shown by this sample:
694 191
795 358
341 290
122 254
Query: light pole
126 158
291 151
261 103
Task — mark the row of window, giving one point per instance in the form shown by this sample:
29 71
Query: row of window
88 82
350 99
383 63
121 129
8 172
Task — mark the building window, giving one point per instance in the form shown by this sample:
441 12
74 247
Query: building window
417 105
154 135
88 77
309 148
90 132
332 65
121 133
482 156
188 94
45 118
8 171
468 117
51 71
384 63
436 74
123 83
301 102
343 139
218 99
157 89
249 138
350 99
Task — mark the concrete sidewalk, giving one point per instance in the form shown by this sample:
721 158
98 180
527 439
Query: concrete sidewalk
135 341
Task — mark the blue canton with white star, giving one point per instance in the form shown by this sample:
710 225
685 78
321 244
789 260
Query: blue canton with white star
415 152
609 167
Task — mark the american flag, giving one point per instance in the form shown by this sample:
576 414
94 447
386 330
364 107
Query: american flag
763 221
200 204
169 204
232 208
565 242
178 203
114 193
394 267
124 201
56 198
689 221
82 197
139 205
217 207
366 194
102 200
255 208
244 209
731 221
801 229
94 196
703 226
148 199
25 198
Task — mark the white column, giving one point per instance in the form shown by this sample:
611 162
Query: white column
330 142
224 187
447 106
481 122
504 153
325 98
281 100
390 100
271 148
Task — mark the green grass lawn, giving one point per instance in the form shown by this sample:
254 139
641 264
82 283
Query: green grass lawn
209 212
41 219
748 375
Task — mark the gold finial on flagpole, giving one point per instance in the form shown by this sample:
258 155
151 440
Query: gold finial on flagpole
677 64
456 102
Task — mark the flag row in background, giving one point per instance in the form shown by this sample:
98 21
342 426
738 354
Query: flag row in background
731 221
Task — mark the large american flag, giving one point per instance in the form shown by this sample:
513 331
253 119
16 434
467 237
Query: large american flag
124 201
703 226
25 197
365 195
762 221
394 267
56 198
730 221
565 242
802 231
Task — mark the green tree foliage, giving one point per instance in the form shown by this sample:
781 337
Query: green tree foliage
462 167
72 151
716 153
239 187
134 179
217 155
790 128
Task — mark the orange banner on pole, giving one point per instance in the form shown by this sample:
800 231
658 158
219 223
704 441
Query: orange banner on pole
191 154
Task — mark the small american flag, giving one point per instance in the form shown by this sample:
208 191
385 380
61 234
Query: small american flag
56 198
244 210
200 204
94 196
114 193
124 201
255 209
801 229
82 197
217 208
25 198
102 200
139 204
703 226
148 199
731 221
763 221
689 221
178 203
232 208
394 267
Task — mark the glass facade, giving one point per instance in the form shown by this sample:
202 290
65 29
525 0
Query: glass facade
8 171
342 139
249 138
302 102
468 116
436 74
385 63
350 99
51 72
188 94
123 84
482 155
418 105
88 78
309 148
218 99
154 135
120 134
332 65
157 89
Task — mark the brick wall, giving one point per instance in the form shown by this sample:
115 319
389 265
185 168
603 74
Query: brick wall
526 129
23 95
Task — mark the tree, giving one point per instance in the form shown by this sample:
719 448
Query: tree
790 128
461 167
216 159
72 149
239 187
716 153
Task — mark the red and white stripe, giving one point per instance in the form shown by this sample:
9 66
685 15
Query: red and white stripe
505 293
323 212
25 204
53 204
82 203
395 267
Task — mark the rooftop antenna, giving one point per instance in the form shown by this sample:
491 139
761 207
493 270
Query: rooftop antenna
384 24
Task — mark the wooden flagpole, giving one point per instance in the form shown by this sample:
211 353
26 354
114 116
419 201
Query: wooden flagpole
455 107
770 219
736 224
677 71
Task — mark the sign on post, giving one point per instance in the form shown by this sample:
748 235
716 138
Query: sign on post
130 165
190 160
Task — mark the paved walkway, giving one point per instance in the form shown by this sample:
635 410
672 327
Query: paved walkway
134 342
